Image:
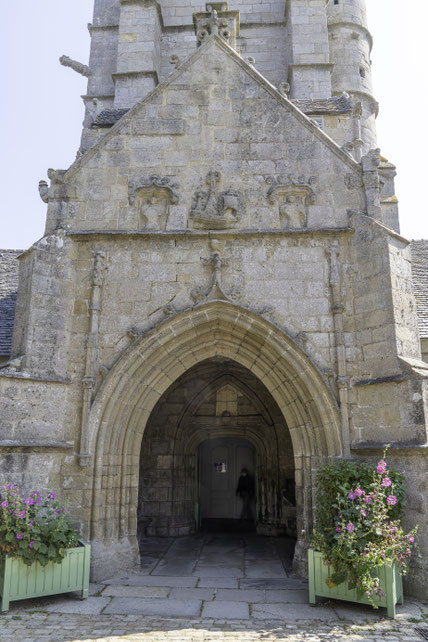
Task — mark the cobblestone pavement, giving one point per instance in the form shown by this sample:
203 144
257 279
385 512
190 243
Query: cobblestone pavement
206 588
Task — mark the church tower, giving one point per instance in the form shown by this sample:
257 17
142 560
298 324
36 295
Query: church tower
222 283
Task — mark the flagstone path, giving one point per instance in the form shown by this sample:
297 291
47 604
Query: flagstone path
207 587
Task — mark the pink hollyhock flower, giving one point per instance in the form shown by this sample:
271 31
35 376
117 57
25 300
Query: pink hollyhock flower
381 467
411 538
29 501
338 529
351 495
363 512
386 482
19 536
359 492
21 514
368 500
51 495
31 544
391 500
350 527
5 504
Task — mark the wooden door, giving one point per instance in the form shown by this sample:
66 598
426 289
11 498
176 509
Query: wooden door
220 463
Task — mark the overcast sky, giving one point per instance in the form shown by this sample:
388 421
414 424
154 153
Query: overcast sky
41 109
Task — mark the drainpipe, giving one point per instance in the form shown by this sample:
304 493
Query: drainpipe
89 379
342 379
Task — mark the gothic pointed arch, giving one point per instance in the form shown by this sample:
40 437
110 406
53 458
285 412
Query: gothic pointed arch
217 329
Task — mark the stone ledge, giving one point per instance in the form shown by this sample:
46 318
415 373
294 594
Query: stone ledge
43 445
210 233
374 448
33 377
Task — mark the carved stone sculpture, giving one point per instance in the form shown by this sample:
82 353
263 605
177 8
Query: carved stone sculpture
81 69
218 21
44 191
216 210
153 197
293 197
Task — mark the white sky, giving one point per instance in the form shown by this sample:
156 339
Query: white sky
41 110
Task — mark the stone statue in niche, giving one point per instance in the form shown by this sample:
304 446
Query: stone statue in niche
216 210
152 198
293 197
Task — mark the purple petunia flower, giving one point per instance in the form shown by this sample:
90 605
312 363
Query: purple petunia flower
391 500
51 496
351 495
5 504
359 492
386 482
350 527
19 535
31 544
21 514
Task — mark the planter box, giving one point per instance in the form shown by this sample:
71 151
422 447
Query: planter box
390 582
21 582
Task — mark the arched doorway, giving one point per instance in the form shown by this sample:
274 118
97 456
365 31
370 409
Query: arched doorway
215 419
150 366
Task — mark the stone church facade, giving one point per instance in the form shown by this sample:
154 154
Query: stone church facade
222 272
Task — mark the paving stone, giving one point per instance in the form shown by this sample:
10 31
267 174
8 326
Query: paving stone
227 610
159 607
217 571
175 567
192 593
214 582
293 596
61 604
240 595
137 591
152 580
264 569
273 583
292 612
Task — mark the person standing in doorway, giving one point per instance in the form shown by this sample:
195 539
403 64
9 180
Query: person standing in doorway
245 491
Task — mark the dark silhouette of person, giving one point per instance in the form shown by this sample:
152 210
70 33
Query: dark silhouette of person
245 491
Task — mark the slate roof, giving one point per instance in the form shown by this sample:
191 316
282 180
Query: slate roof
337 105
108 117
420 283
9 268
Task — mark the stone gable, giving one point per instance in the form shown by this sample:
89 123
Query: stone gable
215 129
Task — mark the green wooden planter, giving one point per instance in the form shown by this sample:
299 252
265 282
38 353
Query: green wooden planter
390 582
21 582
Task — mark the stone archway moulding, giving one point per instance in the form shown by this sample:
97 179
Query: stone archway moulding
156 359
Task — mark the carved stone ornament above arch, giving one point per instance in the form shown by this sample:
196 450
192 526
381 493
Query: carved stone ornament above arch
293 197
152 197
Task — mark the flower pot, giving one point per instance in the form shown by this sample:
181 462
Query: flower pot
389 576
21 582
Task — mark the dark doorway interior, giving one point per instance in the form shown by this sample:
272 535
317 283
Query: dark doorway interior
214 420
